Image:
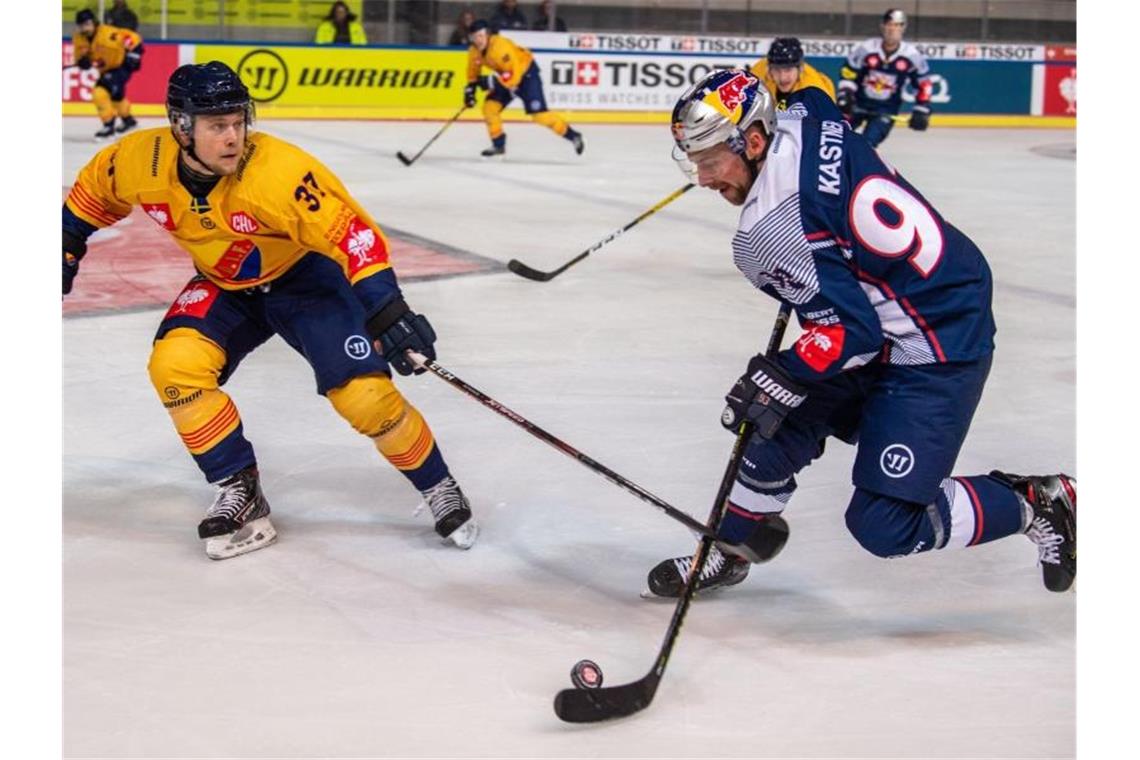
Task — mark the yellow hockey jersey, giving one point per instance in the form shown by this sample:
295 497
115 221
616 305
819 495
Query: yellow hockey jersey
252 226
107 48
809 77
508 60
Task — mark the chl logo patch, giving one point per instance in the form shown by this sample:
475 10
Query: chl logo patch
896 461
357 347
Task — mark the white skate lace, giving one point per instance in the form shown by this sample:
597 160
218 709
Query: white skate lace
1048 541
712 566
231 500
442 499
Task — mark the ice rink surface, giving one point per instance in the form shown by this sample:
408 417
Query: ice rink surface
359 635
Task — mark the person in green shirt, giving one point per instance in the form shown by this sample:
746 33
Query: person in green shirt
340 27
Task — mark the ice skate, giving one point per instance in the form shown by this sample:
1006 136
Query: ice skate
720 570
107 132
128 123
576 139
452 513
238 520
494 150
1053 526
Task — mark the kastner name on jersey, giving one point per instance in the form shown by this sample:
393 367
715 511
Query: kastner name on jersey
870 267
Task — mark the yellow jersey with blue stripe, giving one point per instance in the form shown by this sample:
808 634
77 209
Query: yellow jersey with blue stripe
809 77
508 60
252 226
108 48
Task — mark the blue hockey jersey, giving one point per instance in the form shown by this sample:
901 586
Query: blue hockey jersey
870 267
876 78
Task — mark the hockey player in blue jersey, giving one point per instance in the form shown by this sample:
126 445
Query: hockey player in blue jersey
897 341
871 81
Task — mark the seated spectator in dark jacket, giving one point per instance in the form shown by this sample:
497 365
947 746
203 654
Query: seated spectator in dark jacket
121 16
508 16
462 27
542 23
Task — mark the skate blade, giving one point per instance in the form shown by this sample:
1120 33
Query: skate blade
252 536
464 536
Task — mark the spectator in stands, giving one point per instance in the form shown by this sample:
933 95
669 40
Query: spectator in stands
340 27
542 23
508 16
121 16
459 35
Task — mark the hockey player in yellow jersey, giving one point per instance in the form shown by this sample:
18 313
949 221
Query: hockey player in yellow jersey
516 74
281 248
786 75
116 53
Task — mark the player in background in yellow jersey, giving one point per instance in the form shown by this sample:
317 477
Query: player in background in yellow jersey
516 74
786 75
116 53
281 248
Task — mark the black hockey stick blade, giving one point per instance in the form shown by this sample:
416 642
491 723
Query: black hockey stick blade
403 159
607 702
522 270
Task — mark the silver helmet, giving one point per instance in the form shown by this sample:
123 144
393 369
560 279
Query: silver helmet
894 15
719 108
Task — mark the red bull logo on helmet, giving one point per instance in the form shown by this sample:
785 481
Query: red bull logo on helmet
734 92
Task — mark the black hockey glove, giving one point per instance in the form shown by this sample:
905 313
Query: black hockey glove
396 328
133 60
919 118
469 95
74 249
84 63
486 83
764 395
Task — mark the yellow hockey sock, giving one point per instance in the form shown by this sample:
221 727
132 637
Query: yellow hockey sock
374 407
552 121
184 368
102 100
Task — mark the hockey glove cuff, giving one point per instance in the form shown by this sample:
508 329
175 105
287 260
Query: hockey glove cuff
919 118
84 63
396 329
469 95
764 395
74 249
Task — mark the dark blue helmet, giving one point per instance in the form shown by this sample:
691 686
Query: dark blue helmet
785 51
85 15
205 88
478 24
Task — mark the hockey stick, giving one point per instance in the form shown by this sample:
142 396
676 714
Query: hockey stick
523 270
607 702
409 161
687 520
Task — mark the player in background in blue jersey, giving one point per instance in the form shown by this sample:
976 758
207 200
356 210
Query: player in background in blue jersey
898 333
871 81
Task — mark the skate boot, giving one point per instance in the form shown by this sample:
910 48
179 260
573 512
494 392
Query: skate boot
720 570
106 132
128 123
1053 525
576 138
238 520
498 147
452 513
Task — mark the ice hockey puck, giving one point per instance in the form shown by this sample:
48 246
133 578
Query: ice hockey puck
586 674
